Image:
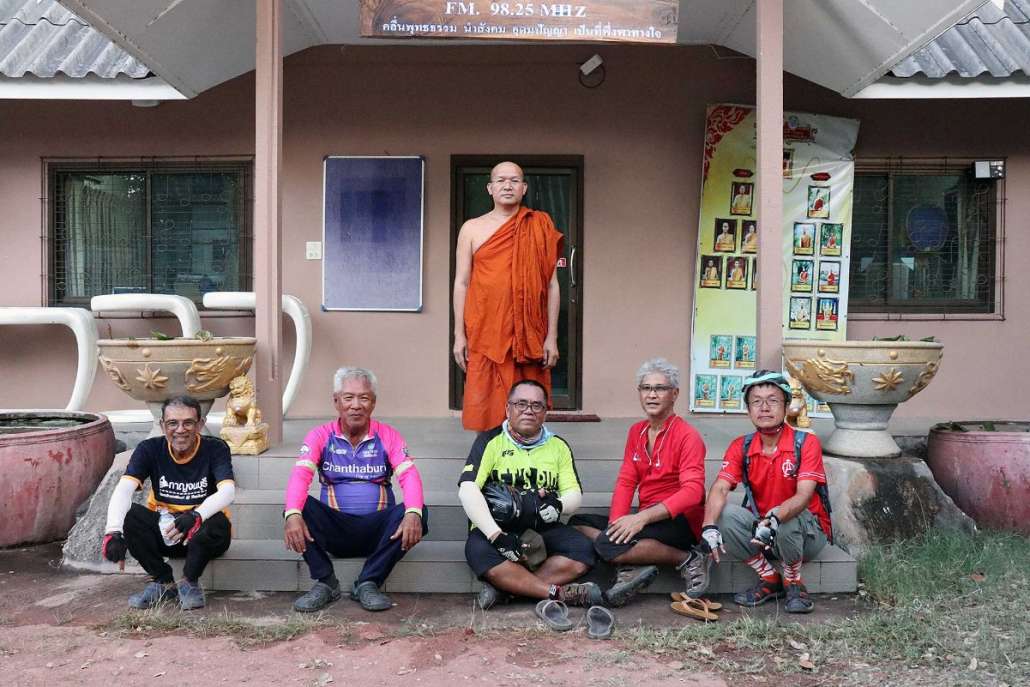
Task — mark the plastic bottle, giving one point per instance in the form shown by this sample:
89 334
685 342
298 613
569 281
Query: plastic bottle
163 522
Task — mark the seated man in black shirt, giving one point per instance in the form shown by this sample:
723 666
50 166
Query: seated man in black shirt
191 483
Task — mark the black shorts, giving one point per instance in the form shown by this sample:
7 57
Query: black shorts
675 533
560 540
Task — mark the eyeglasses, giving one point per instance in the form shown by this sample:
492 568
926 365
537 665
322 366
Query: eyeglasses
523 406
173 425
767 402
659 389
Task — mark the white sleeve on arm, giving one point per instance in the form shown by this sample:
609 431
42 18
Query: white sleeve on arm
474 503
118 506
570 502
218 500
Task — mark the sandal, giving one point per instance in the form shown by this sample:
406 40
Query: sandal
555 615
600 622
697 609
712 605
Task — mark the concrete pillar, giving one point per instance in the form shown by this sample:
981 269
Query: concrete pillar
268 159
769 37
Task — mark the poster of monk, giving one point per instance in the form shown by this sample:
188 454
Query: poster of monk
711 272
720 350
506 299
705 390
829 276
804 238
831 236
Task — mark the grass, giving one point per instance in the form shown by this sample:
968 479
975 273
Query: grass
946 604
245 631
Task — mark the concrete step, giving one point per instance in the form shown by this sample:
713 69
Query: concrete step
440 567
438 474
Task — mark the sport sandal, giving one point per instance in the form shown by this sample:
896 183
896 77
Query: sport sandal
555 615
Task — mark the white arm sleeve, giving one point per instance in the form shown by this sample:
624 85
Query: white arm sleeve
474 503
218 500
118 506
570 502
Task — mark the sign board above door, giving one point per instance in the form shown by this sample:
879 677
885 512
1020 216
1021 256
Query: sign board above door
627 21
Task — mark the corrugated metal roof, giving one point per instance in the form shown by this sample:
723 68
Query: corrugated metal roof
991 40
42 38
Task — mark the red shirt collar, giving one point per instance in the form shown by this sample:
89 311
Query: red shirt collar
784 443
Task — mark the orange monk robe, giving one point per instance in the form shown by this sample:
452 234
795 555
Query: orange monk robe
506 314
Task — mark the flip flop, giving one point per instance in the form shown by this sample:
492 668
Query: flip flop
697 610
555 615
681 596
600 622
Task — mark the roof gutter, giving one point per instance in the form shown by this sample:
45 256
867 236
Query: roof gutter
953 86
90 87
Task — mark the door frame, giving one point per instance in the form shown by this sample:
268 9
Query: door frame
575 312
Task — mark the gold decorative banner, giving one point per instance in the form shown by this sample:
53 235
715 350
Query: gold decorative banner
626 21
814 240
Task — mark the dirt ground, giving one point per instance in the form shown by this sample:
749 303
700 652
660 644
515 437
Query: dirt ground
59 627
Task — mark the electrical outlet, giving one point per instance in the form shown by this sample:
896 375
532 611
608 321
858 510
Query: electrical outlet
314 250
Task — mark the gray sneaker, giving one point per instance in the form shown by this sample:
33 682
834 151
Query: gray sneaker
370 598
630 580
191 596
582 594
694 572
318 597
153 594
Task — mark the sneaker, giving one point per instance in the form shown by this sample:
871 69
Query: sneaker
582 594
318 597
153 594
191 596
797 599
489 596
629 581
763 591
371 599
694 572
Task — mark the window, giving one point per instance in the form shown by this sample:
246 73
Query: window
924 237
165 228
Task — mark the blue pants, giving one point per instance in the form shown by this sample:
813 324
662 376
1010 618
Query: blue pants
354 536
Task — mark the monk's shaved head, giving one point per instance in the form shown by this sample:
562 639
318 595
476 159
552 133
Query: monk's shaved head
507 169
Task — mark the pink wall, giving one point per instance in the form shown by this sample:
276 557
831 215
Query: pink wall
641 137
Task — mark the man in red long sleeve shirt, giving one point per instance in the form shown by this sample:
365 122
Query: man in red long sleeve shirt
665 462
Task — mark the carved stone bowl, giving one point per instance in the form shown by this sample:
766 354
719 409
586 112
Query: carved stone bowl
154 370
863 382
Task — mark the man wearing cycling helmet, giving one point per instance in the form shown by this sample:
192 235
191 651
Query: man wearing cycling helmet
784 517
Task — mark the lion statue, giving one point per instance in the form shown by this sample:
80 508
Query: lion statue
241 406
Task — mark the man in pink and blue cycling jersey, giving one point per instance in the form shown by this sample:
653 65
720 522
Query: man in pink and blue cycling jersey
355 458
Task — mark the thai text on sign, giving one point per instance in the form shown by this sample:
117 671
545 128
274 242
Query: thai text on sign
631 21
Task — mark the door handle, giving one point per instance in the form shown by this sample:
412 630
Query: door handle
572 268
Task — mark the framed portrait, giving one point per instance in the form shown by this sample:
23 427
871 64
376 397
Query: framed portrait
819 202
744 352
829 276
705 390
736 272
711 272
801 275
831 236
800 312
826 314
754 274
725 240
730 397
720 350
804 238
748 236
742 194
788 163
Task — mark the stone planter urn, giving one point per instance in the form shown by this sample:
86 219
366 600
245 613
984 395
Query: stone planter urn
985 467
863 382
154 370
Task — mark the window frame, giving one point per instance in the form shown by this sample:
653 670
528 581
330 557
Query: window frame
52 167
938 309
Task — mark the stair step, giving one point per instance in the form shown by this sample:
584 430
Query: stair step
440 567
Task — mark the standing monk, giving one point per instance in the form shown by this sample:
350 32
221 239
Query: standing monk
506 299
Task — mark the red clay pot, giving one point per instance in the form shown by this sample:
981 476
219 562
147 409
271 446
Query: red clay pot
986 473
48 473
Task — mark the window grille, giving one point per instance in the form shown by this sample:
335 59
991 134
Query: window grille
166 227
924 237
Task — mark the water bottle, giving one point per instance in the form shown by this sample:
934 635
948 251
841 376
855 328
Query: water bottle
163 522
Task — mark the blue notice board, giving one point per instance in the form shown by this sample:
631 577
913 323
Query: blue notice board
372 233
